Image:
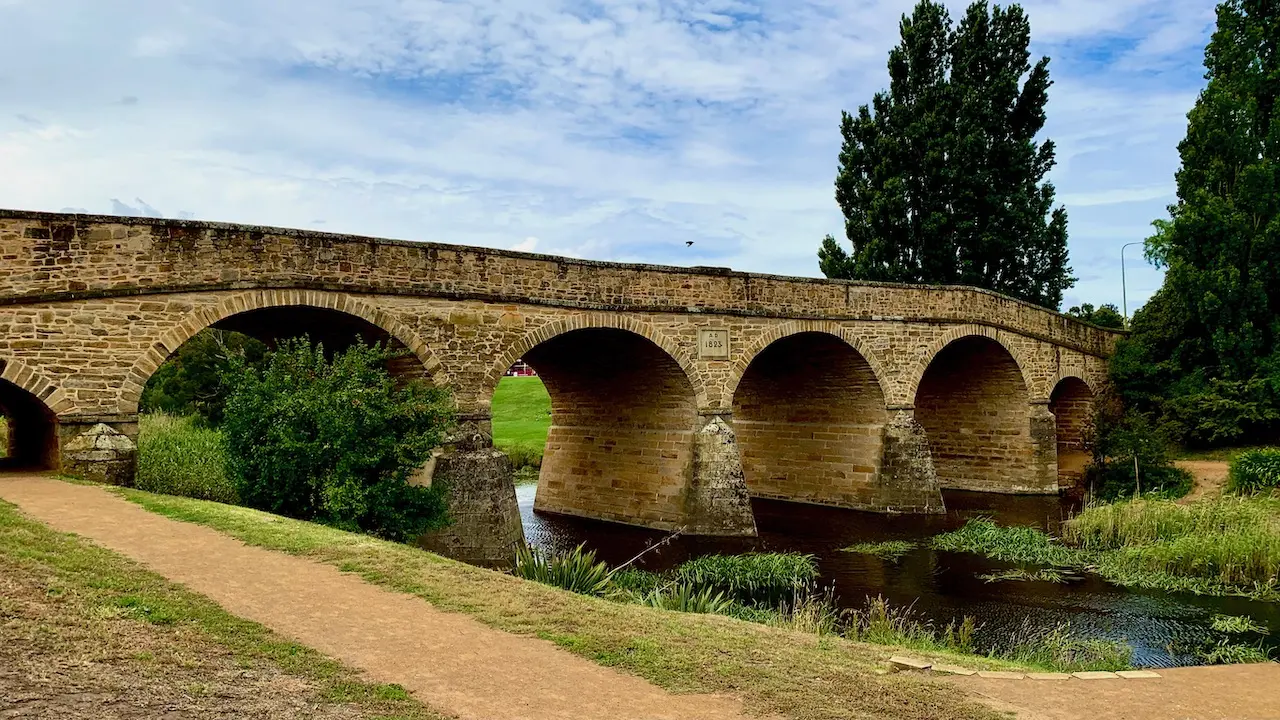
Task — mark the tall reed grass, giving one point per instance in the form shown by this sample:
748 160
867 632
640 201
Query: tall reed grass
1232 541
768 578
176 456
1254 471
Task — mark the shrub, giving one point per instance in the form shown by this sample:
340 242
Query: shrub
334 440
4 436
767 578
177 456
524 456
575 571
1255 471
1120 435
190 381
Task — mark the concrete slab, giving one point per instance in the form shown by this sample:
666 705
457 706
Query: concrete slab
1048 676
1000 675
953 670
1095 675
908 663
1137 674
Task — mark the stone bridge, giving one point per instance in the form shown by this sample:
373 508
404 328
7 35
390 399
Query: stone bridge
677 393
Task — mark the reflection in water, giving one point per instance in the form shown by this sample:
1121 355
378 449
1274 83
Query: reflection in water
941 586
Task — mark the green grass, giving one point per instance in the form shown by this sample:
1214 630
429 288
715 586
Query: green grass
1224 546
4 437
1255 471
1229 541
177 457
750 578
772 669
101 583
1214 454
521 417
1024 575
886 550
1236 624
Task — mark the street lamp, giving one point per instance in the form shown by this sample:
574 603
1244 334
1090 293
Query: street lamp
1124 293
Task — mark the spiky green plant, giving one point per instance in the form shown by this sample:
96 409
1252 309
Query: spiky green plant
577 571
886 550
765 578
683 597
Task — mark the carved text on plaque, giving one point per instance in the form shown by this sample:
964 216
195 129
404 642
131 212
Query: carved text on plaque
713 343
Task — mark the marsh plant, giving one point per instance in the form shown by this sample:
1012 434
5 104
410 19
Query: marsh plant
576 571
763 578
1255 471
683 597
1236 624
182 456
1058 647
892 550
1024 575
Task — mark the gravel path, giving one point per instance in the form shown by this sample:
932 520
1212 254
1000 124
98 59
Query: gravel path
449 661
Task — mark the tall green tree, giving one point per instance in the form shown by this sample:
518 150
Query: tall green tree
941 179
1205 351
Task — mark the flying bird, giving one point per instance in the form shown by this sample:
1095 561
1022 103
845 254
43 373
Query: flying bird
687 243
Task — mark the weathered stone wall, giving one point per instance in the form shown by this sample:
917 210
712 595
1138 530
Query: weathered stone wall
90 307
810 419
973 404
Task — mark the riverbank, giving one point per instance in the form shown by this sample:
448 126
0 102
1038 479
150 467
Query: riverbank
773 670
86 629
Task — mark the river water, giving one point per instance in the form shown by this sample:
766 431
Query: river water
939 586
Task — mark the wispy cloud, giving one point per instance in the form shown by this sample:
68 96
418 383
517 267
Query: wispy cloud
613 130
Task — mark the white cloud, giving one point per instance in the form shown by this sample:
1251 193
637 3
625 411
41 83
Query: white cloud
611 130
529 244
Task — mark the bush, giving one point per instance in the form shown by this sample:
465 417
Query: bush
576 571
1120 435
190 381
178 456
524 456
334 441
1255 471
766 578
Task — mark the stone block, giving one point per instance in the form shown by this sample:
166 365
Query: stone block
1000 675
909 663
480 494
101 454
1048 676
1095 675
953 670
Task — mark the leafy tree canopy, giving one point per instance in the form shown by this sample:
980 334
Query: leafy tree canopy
334 440
1107 316
1204 356
941 179
189 383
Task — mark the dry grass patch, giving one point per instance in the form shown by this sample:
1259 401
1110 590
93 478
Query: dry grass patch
86 633
775 671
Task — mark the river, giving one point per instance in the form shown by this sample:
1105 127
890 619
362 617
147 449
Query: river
940 586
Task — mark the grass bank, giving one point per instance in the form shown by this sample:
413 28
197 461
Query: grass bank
1225 546
119 636
521 417
774 670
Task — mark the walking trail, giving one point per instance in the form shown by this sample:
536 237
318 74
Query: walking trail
1210 477
451 662
461 667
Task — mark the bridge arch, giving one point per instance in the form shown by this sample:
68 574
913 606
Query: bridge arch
29 404
624 417
1071 400
809 412
974 401
521 347
915 375
852 339
238 305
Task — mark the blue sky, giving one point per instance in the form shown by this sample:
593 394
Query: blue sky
605 130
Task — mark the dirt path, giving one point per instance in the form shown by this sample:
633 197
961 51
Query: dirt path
1210 478
1221 692
449 661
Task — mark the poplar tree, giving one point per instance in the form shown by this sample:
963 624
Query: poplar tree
941 179
1205 351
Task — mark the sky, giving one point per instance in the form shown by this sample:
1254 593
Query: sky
594 129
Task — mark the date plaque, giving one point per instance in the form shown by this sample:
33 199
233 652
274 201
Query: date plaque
713 344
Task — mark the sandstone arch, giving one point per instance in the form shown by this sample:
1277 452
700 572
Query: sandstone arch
29 404
913 376
882 375
1071 402
810 418
624 417
237 305
974 402
521 347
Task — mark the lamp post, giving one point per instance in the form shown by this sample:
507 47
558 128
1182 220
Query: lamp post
1124 292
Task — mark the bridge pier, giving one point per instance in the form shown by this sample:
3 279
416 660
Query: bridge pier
99 448
908 481
718 502
484 517
1044 444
